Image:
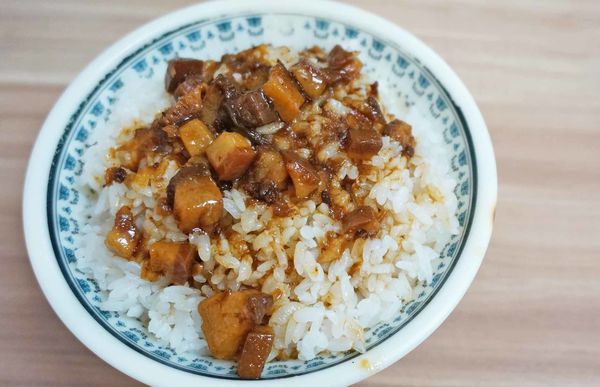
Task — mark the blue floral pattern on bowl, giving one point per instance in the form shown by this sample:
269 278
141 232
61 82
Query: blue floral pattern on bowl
412 83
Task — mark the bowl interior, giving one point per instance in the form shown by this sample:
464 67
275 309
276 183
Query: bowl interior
400 73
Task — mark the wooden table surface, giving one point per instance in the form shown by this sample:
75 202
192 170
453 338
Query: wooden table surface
532 316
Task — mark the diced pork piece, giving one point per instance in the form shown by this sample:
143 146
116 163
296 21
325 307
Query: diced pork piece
362 144
256 350
269 167
258 305
287 139
230 155
229 89
145 141
124 238
173 260
148 174
210 113
251 109
186 107
342 65
304 175
281 209
363 218
369 108
247 61
147 274
326 197
263 191
374 111
332 249
196 136
190 83
162 207
228 317
374 89
180 69
196 200
114 175
257 78
311 78
284 93
401 132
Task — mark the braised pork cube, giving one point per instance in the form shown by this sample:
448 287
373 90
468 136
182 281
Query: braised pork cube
251 109
304 176
363 218
230 155
264 191
196 137
362 144
172 260
342 65
369 108
401 132
284 93
311 78
228 317
114 175
256 350
332 249
180 69
255 79
145 141
189 85
186 107
196 200
124 238
269 167
247 61
214 112
374 111
211 112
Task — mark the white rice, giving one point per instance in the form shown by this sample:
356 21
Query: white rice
322 307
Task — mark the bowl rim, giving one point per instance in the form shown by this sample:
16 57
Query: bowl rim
73 314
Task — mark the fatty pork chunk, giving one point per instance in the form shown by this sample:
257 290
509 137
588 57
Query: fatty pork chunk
401 132
256 350
173 260
269 166
311 78
230 155
232 323
282 89
114 175
145 142
125 237
362 144
251 109
195 198
303 174
227 107
188 80
267 176
187 107
362 220
212 112
184 74
196 137
343 66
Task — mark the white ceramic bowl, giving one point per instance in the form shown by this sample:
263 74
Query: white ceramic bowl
391 55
